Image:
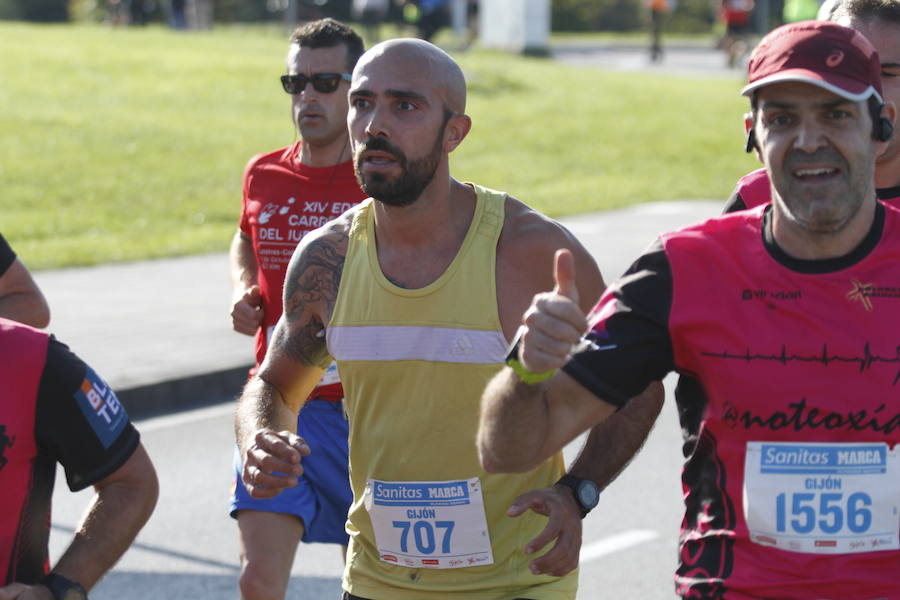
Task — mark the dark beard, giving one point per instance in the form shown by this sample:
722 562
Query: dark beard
415 175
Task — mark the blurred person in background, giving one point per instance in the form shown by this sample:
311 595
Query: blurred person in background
287 194
658 9
737 17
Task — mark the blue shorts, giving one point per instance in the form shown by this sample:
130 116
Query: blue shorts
322 495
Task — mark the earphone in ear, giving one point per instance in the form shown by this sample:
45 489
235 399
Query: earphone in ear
884 129
751 141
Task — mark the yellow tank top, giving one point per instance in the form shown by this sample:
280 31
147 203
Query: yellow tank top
414 363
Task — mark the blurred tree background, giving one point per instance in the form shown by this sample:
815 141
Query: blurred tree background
690 16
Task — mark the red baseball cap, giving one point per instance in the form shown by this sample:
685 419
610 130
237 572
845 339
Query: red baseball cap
822 53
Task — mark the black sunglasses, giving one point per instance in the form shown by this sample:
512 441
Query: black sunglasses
324 83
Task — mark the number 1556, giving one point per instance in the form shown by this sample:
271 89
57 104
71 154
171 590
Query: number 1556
831 513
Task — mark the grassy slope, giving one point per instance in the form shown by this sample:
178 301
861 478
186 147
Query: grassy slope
129 144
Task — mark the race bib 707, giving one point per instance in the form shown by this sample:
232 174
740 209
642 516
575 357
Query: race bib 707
429 524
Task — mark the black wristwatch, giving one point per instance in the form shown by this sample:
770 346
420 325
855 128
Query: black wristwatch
585 491
62 588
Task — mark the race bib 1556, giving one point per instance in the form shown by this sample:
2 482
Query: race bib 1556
822 498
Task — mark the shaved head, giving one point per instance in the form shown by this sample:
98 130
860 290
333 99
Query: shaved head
407 114
422 61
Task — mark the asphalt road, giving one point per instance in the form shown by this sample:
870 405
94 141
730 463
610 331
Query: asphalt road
189 548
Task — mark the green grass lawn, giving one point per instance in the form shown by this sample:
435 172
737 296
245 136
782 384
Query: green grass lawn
128 144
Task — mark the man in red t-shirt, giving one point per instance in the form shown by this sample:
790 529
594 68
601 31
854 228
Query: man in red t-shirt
288 193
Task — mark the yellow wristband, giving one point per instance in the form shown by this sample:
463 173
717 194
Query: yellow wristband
526 376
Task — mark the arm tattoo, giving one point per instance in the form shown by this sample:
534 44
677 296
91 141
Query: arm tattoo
310 293
306 344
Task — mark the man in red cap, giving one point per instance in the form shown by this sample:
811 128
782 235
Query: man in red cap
879 22
786 315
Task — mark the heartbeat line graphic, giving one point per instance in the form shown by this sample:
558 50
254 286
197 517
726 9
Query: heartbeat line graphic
866 361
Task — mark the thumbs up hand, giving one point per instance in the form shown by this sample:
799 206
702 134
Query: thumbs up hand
554 323
564 275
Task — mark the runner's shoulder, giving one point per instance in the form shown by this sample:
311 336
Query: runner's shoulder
527 232
528 245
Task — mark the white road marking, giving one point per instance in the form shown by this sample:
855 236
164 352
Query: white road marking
615 543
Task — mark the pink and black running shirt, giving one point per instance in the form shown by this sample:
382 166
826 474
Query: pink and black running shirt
793 411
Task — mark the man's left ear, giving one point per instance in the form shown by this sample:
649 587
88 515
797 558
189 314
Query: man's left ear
456 131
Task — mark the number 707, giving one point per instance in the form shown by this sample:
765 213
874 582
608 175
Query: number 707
424 536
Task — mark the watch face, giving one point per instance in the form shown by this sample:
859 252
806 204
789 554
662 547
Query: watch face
588 494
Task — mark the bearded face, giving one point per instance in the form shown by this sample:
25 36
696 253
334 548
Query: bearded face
386 174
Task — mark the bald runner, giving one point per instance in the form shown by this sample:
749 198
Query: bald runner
416 293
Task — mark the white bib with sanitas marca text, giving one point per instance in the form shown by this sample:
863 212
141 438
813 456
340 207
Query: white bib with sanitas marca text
822 498
429 524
